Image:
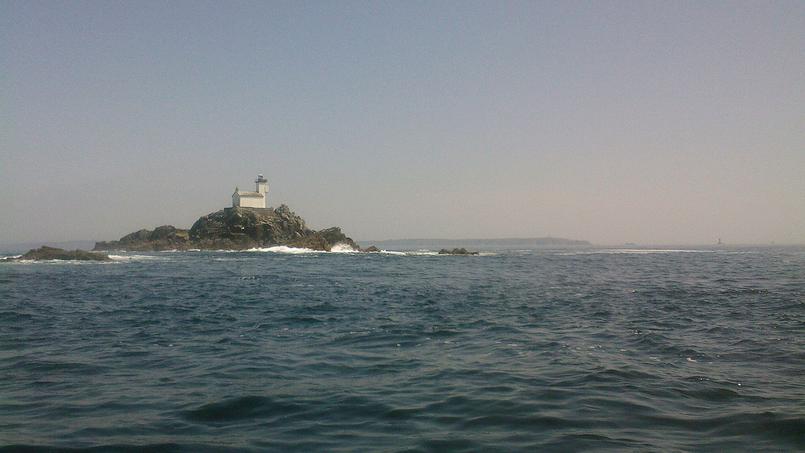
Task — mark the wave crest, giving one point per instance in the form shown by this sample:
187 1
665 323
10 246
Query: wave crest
283 249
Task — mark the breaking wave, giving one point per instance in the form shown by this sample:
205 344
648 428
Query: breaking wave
343 248
284 249
135 257
67 262
422 252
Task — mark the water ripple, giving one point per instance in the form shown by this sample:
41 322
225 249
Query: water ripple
513 351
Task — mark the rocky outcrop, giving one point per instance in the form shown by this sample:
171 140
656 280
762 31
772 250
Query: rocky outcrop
166 237
234 229
325 240
456 251
239 228
53 253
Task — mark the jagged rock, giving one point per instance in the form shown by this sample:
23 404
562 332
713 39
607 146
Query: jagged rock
335 236
313 241
53 253
260 226
235 229
165 237
325 240
456 251
370 249
241 228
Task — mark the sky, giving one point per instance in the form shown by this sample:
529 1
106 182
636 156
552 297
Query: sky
643 121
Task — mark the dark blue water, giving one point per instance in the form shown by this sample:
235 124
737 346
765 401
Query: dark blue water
515 351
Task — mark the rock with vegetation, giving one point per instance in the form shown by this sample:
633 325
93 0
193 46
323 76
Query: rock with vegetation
235 229
53 253
456 251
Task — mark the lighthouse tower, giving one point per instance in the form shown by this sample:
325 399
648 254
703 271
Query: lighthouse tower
262 186
256 199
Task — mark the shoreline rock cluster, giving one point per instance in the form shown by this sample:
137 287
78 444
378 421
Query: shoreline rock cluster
235 229
52 253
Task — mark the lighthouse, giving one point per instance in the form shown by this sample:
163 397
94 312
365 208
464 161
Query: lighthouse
256 199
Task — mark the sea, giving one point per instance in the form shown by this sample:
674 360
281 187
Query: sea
281 349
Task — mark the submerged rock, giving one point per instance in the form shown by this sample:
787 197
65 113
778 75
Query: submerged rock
53 253
456 251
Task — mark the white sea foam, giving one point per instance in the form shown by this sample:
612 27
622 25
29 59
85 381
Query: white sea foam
408 252
135 257
422 252
425 252
283 249
337 248
343 248
60 262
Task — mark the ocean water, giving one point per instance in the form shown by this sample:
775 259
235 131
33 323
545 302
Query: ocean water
514 350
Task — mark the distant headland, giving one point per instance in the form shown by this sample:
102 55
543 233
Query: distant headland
496 244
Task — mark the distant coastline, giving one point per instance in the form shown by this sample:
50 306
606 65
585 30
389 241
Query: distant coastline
494 243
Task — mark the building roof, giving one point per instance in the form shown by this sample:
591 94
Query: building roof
249 194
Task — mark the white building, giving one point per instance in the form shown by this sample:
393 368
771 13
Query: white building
255 199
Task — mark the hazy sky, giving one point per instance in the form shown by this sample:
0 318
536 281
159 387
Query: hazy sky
648 122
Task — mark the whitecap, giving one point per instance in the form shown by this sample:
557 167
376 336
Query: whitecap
343 248
60 262
423 252
283 249
135 257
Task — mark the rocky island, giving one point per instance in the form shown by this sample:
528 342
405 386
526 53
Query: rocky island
52 253
235 228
